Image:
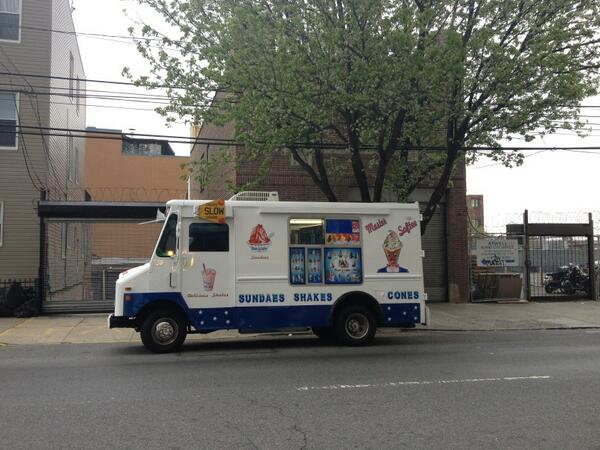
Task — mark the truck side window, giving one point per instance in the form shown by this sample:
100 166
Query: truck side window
307 232
208 237
167 246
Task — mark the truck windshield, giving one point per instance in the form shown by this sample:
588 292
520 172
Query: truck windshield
167 245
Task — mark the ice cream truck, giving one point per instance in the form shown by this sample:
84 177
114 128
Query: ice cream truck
257 264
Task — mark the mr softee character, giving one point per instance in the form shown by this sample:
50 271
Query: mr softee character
392 247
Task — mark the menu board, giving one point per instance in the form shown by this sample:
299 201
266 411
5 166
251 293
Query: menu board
314 266
343 266
342 232
297 265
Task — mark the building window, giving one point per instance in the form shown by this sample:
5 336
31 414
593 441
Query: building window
146 147
71 75
474 203
78 94
70 158
209 237
10 20
8 119
203 169
76 166
63 240
1 223
476 223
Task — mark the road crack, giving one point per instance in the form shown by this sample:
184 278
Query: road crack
279 409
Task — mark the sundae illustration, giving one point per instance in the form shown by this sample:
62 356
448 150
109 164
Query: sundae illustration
259 239
208 278
392 247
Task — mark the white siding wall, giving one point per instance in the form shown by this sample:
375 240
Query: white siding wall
19 254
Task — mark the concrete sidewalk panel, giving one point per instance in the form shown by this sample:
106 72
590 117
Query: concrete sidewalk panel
6 323
51 321
99 334
35 335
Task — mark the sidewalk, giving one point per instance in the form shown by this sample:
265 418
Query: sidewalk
92 328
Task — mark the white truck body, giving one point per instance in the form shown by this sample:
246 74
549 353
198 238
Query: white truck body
274 265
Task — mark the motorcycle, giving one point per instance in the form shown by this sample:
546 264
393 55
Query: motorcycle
578 280
567 280
553 280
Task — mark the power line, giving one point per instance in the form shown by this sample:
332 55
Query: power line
37 114
81 33
500 163
85 89
90 80
126 83
83 133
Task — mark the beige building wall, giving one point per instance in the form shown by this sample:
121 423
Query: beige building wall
114 176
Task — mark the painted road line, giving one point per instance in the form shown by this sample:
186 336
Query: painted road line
334 387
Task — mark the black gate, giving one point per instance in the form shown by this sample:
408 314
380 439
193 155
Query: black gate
559 259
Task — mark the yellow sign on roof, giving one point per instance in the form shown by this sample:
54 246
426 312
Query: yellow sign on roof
213 211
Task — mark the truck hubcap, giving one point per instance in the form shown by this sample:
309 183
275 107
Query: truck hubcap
165 331
357 326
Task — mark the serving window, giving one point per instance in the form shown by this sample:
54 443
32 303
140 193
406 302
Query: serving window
325 251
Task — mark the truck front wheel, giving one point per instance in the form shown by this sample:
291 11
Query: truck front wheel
355 325
163 331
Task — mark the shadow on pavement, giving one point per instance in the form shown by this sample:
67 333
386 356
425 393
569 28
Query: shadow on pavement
272 344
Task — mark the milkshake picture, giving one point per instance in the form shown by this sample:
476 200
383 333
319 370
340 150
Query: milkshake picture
208 278
392 248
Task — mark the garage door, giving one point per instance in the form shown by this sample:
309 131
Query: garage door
435 261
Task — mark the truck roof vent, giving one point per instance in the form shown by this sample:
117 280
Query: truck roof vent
256 196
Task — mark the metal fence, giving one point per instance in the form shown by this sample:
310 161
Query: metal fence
18 296
550 257
84 259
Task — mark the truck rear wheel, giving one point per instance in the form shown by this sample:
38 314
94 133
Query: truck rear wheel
163 331
355 325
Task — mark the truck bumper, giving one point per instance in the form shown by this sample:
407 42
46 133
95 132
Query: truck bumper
120 322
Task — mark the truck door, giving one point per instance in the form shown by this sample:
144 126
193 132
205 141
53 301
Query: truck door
165 261
208 271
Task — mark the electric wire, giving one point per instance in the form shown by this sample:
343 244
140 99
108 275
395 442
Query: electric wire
36 110
102 134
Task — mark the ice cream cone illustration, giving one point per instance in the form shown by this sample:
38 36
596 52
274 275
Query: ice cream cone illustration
392 246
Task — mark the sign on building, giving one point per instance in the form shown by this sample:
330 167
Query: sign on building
497 252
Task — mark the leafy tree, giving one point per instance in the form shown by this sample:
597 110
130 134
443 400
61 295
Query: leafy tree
390 92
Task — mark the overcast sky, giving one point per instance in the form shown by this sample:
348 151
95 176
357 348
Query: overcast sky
551 181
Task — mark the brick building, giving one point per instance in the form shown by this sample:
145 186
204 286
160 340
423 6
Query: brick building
125 169
445 242
475 213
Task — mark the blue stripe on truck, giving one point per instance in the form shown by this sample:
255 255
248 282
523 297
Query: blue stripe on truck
263 318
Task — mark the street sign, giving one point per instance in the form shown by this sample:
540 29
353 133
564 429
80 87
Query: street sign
213 211
497 252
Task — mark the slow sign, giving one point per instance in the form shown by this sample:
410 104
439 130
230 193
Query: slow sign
213 211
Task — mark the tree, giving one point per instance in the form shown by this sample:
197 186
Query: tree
368 83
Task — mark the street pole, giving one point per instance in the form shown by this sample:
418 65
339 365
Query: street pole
591 265
526 249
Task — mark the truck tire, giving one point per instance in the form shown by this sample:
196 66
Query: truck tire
163 331
324 333
355 325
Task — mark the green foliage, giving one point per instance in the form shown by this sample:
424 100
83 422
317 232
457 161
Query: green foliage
378 78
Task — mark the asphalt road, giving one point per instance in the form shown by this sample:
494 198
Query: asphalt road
509 389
